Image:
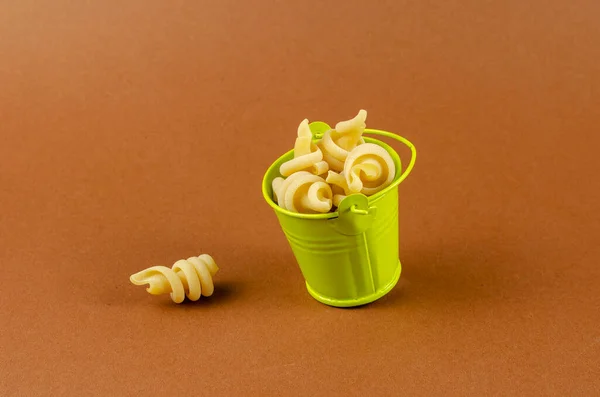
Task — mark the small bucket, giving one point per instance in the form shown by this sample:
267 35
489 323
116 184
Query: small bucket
349 257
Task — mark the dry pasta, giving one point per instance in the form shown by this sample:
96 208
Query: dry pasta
191 277
338 142
307 155
303 192
350 131
339 186
369 168
323 173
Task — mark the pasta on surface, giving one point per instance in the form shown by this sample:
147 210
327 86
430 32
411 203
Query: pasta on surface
190 277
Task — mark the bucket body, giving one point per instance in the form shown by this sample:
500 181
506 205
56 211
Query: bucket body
349 257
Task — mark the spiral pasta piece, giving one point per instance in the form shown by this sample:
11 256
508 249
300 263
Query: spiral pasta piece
369 168
339 186
190 277
338 142
351 131
276 184
307 155
303 192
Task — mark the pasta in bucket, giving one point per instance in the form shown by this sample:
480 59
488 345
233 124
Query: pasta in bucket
349 255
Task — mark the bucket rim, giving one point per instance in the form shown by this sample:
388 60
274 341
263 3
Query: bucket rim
372 199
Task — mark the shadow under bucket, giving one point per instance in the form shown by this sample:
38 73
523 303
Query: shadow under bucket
349 257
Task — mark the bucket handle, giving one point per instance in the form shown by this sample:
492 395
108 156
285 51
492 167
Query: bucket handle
413 150
355 213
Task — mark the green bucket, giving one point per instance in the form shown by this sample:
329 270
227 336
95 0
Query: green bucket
349 257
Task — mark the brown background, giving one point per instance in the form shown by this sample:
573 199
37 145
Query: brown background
136 133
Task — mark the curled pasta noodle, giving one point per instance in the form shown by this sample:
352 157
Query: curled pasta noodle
307 155
276 184
332 153
339 186
337 199
190 277
337 143
351 131
303 192
369 168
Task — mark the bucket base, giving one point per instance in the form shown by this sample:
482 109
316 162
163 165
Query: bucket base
359 301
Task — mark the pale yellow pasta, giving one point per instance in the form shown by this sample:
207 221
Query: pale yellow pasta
368 169
338 142
340 164
191 277
339 186
303 192
307 155
276 184
350 131
333 155
338 182
337 199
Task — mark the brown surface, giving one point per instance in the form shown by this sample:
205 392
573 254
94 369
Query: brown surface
124 128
